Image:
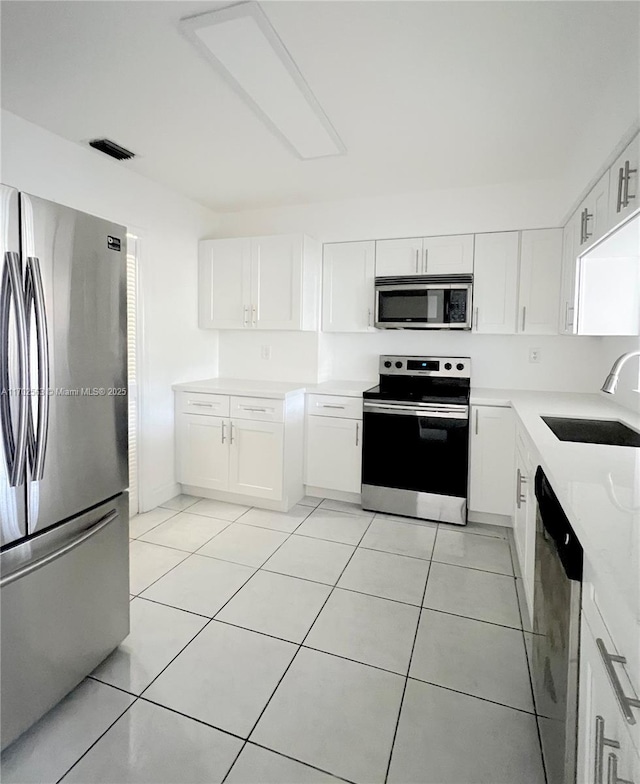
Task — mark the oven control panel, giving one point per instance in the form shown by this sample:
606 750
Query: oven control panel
443 367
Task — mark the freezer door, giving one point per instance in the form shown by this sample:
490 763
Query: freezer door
64 599
76 315
13 369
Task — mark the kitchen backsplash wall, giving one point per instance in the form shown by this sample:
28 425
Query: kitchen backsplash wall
566 363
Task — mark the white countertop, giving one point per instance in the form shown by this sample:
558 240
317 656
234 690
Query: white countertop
237 386
274 389
598 487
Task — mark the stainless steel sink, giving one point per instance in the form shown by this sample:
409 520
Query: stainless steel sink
593 431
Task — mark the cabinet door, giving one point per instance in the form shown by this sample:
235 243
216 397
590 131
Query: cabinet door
492 460
203 451
276 282
334 453
594 213
495 282
256 458
624 183
568 284
348 287
399 257
539 293
602 730
224 283
524 523
448 255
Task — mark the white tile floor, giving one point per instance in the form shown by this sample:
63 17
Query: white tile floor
325 644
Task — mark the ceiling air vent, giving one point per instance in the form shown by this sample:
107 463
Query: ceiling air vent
111 148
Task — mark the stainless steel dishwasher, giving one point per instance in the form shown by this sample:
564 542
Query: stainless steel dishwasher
556 639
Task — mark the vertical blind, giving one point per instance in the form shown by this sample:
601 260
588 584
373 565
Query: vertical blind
132 365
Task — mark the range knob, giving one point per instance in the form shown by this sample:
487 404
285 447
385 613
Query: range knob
387 364
460 366
398 364
447 365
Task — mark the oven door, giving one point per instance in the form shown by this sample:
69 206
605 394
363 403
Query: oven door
423 306
417 450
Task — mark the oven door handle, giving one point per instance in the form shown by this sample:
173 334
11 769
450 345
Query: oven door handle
433 413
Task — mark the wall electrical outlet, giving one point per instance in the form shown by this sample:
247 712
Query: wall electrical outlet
265 352
534 355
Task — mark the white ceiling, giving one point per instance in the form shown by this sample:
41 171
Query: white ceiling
424 94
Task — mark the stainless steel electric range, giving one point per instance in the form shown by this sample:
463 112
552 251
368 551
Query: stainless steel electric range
415 447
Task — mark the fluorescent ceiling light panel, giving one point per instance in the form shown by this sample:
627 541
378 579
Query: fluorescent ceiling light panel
240 42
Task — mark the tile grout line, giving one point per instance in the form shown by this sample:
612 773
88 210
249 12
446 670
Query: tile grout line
406 680
300 646
99 738
140 695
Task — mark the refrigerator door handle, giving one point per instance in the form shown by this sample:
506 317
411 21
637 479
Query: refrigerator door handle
103 522
35 296
15 447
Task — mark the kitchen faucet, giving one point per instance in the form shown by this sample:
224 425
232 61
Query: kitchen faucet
611 382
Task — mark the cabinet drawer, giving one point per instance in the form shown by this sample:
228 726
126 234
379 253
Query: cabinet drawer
335 406
258 408
203 403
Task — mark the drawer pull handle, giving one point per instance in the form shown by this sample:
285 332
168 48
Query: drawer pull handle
200 405
612 771
601 742
357 433
328 405
259 410
231 434
627 704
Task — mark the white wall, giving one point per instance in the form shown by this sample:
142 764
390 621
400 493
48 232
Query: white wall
530 205
173 348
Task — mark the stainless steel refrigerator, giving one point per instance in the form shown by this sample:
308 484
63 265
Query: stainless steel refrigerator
64 565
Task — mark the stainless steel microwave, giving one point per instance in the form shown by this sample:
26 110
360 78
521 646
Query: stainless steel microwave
424 302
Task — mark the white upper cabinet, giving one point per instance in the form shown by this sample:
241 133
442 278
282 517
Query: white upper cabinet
348 286
259 283
452 255
495 282
399 257
624 183
224 283
539 290
568 283
446 255
594 213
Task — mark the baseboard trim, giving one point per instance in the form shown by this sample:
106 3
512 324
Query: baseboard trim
158 496
246 500
334 495
490 519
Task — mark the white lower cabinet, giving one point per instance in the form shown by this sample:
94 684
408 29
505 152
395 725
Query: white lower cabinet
524 518
255 465
606 750
243 457
203 454
491 460
334 444
334 455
